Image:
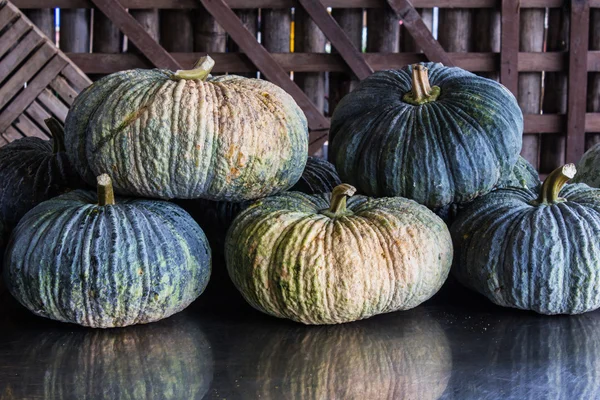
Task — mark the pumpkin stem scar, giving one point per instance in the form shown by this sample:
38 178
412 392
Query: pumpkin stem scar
106 195
554 183
200 71
339 195
422 92
58 134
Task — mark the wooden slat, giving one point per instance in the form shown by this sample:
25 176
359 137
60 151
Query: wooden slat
76 77
11 87
136 33
263 60
241 4
33 89
7 15
11 134
316 141
420 33
549 123
19 53
2 143
338 38
29 128
64 90
53 104
578 47
12 35
37 113
509 57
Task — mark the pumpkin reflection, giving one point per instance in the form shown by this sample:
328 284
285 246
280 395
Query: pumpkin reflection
351 361
171 359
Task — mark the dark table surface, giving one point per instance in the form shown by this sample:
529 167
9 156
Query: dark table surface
455 346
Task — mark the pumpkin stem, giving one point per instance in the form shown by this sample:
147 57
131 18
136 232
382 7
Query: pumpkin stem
338 200
106 195
554 183
58 134
200 71
422 92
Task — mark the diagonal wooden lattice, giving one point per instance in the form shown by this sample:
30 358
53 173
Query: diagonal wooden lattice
37 81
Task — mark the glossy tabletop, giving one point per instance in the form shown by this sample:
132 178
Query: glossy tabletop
455 346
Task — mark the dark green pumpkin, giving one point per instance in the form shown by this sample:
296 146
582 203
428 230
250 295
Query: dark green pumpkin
215 217
85 259
33 170
533 249
588 168
448 142
187 135
168 360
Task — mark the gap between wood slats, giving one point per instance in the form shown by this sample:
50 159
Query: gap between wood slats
18 54
29 128
38 113
99 63
12 35
185 4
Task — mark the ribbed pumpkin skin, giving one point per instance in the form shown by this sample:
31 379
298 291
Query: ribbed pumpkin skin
290 261
523 176
543 258
31 173
229 138
451 150
319 176
131 263
350 362
588 168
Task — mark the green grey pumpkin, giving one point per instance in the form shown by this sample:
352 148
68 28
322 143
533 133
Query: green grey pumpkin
186 135
215 217
350 361
89 260
33 170
171 359
324 260
523 175
588 168
441 138
533 250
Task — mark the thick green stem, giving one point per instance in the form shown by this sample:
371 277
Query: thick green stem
554 183
200 71
422 92
339 195
58 134
106 195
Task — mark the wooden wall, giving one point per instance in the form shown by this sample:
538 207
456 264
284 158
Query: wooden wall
532 55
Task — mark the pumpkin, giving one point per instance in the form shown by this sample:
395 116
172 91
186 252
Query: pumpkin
589 167
103 263
324 259
171 359
533 249
523 175
215 217
33 170
389 358
430 133
186 135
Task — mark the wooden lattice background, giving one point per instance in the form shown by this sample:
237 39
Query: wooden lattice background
546 51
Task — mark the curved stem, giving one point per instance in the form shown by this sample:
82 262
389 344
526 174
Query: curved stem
422 92
200 71
554 183
58 134
339 195
106 195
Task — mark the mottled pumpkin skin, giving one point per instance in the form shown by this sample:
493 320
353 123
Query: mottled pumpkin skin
31 173
135 262
168 360
544 258
215 217
290 261
350 361
451 150
588 168
228 138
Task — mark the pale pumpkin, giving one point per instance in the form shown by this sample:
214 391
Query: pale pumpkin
324 260
186 135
